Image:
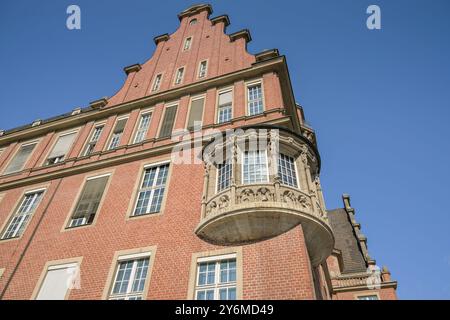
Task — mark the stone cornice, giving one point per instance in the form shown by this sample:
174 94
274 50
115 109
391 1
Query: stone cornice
383 285
223 18
133 68
194 10
241 34
162 37
277 64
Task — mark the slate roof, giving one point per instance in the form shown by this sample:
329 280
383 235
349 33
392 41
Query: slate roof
346 241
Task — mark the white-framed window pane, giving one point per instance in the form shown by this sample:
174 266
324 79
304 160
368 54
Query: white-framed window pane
179 76
225 113
187 44
157 82
143 127
286 170
93 141
255 99
224 176
117 133
22 215
255 167
152 190
202 69
216 280
129 281
228 293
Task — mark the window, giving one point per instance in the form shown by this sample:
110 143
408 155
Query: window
223 176
56 282
255 100
225 106
157 83
168 121
255 167
117 133
144 123
216 280
93 140
22 215
196 114
130 278
179 76
202 69
369 297
286 170
152 188
187 44
89 201
193 22
61 148
21 157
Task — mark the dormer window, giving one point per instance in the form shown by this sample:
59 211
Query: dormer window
187 44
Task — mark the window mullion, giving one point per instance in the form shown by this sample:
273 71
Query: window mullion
132 275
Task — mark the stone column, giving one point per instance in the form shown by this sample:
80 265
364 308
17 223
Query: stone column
205 188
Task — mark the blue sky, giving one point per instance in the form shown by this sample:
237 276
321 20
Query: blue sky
379 100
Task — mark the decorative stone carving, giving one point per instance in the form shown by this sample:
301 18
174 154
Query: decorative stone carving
211 208
303 201
289 197
247 195
264 194
224 201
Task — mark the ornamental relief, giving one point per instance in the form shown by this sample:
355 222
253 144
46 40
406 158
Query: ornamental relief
260 194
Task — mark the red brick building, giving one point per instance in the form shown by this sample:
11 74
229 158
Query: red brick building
93 205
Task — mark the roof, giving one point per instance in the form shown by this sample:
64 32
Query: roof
346 241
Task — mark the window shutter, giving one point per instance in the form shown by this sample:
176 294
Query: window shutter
168 121
196 112
55 284
20 158
225 98
62 146
90 199
120 125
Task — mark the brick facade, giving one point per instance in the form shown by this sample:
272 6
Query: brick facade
277 268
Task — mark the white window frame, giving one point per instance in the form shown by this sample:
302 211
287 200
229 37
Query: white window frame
138 129
218 173
222 91
126 258
247 107
91 136
243 163
139 189
202 74
25 216
179 78
295 168
157 82
111 138
187 44
217 285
